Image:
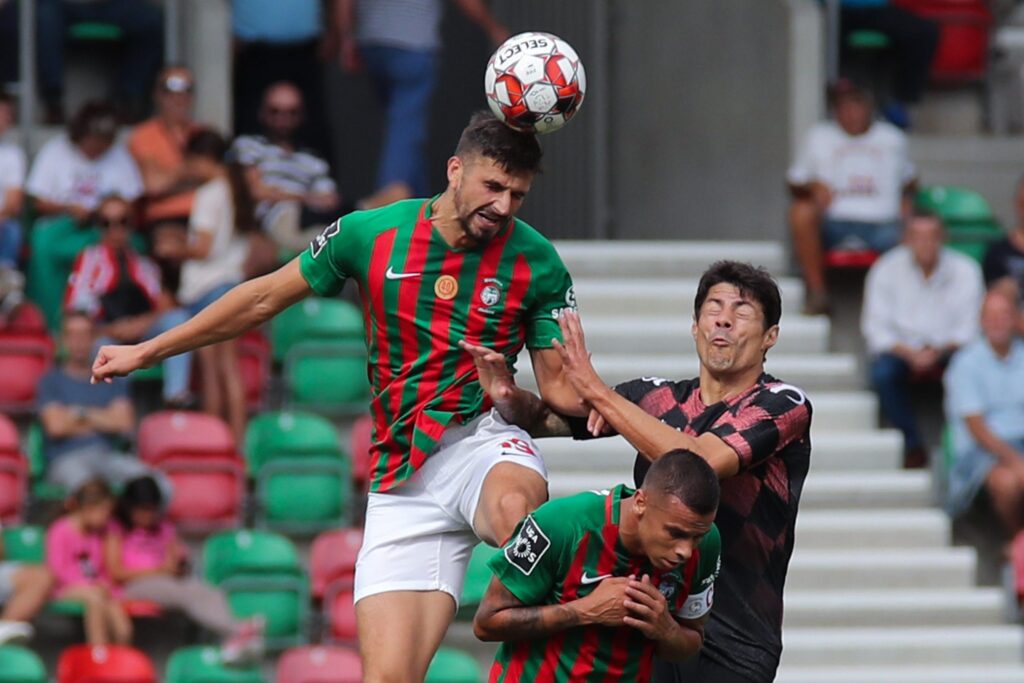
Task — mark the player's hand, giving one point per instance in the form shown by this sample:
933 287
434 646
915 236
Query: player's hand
647 609
117 361
575 358
606 604
492 367
597 425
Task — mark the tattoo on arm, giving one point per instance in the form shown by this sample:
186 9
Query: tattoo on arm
502 617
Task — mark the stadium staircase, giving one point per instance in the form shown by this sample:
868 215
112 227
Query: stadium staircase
876 591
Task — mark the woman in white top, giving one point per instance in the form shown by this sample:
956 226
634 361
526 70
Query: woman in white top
216 255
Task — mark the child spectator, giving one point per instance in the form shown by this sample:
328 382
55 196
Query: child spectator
147 560
24 589
74 553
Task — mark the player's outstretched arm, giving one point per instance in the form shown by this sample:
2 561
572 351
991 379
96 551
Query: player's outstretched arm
243 308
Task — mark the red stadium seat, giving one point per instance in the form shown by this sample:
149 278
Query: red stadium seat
9 442
254 365
27 319
362 437
333 558
24 359
319 664
14 473
178 433
340 613
859 259
965 31
104 664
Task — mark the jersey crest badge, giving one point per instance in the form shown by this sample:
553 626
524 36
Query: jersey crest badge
446 287
529 545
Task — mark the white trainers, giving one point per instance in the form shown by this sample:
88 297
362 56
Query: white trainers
15 631
246 645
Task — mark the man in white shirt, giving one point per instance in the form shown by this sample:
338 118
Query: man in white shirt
12 178
849 184
921 303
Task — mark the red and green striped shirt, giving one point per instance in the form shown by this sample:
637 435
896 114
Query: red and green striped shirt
419 298
560 553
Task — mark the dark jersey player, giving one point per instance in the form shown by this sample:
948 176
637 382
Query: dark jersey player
592 585
446 470
752 428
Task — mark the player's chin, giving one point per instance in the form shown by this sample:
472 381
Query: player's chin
482 229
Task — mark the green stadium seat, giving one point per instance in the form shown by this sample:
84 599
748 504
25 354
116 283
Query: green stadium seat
867 40
248 552
478 577
282 435
42 490
95 31
24 544
21 665
454 666
201 664
304 496
315 320
329 379
957 206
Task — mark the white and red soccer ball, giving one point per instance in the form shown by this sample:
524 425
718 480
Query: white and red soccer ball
535 82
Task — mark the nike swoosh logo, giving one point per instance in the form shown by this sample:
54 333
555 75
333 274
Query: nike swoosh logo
392 275
587 580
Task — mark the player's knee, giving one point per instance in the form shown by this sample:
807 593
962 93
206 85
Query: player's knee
511 508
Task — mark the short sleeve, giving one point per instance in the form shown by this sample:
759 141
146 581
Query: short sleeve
774 417
42 177
965 394
530 564
331 257
702 586
552 293
803 170
208 209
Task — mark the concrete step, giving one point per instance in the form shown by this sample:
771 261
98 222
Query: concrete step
663 258
879 450
894 608
863 569
842 647
867 490
953 673
613 333
809 372
850 411
875 528
665 297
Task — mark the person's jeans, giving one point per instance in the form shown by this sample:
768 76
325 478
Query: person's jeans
140 20
10 243
843 234
404 81
890 376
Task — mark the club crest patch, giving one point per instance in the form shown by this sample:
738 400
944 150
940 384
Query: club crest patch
529 545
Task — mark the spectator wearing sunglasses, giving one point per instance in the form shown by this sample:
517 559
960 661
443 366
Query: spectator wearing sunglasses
120 290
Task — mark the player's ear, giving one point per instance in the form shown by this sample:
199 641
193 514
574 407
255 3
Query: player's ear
640 502
455 169
770 337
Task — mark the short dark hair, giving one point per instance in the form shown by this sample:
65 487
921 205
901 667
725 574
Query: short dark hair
753 282
922 213
94 118
92 492
141 492
686 476
513 150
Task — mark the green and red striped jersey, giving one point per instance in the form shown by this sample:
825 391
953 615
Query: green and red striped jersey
560 553
419 298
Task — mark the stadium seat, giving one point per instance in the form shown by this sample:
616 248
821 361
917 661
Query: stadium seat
24 544
14 473
327 378
315 320
959 207
41 489
174 432
201 664
21 665
283 435
254 366
340 615
962 54
104 664
95 31
332 558
318 664
27 319
860 259
361 440
478 577
261 573
454 666
24 359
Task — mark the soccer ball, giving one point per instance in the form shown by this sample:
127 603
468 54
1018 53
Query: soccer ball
535 82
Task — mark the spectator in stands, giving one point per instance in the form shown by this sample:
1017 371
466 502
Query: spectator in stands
913 40
84 425
398 42
984 406
145 557
69 177
1004 260
12 179
140 22
217 256
74 553
24 589
850 184
121 290
293 186
921 303
281 41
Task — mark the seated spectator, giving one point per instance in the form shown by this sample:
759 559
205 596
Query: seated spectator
121 290
12 179
69 177
921 303
848 185
147 560
84 425
984 406
217 256
1003 265
74 553
24 589
141 22
293 187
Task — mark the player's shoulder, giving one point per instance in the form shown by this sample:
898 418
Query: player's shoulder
887 132
774 391
570 514
636 389
383 218
530 240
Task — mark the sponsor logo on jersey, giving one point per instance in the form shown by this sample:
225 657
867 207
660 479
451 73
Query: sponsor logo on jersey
794 394
587 580
528 547
570 298
446 287
317 245
656 381
668 586
392 275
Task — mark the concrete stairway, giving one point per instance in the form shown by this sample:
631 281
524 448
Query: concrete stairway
875 591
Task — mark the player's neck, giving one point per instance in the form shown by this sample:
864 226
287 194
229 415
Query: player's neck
715 388
629 532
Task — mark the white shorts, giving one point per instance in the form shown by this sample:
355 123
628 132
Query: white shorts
419 536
